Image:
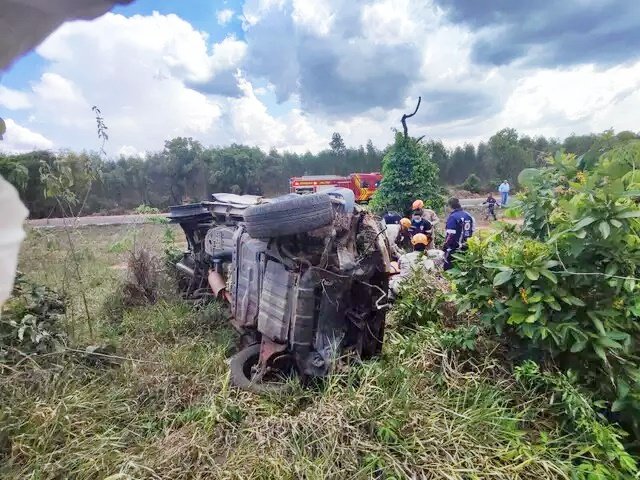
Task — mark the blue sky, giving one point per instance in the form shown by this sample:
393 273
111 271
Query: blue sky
288 73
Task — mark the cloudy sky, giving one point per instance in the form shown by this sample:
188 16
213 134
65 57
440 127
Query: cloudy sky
288 73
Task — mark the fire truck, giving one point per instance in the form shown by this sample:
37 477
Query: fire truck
362 184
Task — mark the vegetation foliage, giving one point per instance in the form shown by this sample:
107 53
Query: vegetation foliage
186 170
565 286
408 173
527 368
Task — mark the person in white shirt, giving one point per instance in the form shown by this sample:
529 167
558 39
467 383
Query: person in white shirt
504 192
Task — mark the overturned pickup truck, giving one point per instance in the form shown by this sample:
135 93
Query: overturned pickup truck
306 278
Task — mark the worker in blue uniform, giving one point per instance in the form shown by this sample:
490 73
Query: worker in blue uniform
459 229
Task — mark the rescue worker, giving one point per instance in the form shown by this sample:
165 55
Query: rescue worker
392 218
491 203
419 224
429 215
403 239
459 229
412 261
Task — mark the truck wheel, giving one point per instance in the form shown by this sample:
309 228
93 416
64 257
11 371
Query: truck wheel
241 366
292 215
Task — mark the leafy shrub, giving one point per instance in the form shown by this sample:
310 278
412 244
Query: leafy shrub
30 321
408 174
146 209
422 299
472 184
566 284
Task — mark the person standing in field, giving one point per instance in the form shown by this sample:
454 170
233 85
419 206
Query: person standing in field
504 192
460 227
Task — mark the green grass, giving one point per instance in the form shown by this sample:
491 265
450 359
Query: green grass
421 411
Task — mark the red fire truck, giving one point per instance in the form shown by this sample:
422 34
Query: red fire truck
362 184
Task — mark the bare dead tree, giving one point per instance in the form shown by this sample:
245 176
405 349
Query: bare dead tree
405 116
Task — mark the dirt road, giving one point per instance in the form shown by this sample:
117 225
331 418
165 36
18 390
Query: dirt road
139 218
91 220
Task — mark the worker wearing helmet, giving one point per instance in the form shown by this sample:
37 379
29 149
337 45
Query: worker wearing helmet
403 239
414 261
428 215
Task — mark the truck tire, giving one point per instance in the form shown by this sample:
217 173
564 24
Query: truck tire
289 216
240 366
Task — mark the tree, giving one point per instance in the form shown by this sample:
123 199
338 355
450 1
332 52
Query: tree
16 173
408 174
237 169
337 144
184 165
440 156
507 157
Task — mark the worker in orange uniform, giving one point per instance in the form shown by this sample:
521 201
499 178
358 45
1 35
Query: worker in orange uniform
403 239
418 260
428 215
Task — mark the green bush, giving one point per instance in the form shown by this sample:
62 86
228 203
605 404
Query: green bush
146 209
31 321
472 184
409 174
566 283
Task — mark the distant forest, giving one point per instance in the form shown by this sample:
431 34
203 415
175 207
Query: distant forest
185 170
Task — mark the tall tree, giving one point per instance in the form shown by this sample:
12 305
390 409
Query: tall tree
440 156
507 157
183 157
408 174
337 144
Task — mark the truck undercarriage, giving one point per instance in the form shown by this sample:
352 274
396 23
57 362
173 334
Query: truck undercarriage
305 278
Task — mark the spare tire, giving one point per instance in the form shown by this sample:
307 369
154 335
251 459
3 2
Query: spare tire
289 216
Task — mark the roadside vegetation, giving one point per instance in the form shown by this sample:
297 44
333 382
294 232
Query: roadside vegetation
152 398
184 170
522 363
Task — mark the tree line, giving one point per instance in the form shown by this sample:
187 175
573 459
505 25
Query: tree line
185 170
507 153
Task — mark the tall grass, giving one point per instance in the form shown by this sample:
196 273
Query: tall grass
424 410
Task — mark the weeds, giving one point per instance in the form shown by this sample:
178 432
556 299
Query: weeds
31 321
438 404
141 286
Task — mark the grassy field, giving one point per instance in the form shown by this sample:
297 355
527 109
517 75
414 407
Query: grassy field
165 410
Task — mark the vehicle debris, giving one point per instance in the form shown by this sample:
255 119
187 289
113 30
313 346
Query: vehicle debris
306 278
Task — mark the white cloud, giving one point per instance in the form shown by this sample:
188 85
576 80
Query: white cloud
253 10
13 99
227 54
251 123
155 77
578 95
316 17
224 16
130 151
391 21
20 139
134 69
